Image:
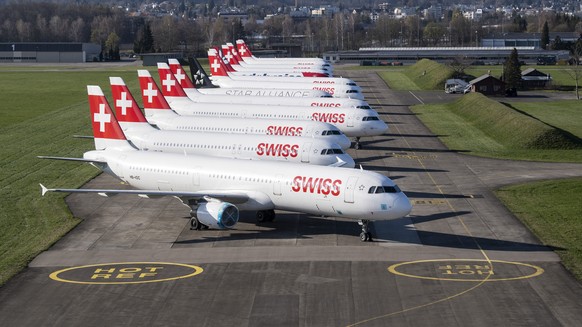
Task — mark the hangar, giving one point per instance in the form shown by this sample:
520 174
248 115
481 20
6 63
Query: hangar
479 55
49 52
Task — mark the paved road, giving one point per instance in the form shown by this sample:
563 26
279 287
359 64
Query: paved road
460 258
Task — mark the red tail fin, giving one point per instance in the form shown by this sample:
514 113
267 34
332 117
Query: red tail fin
180 74
126 108
243 50
217 67
228 55
170 86
234 52
106 129
151 96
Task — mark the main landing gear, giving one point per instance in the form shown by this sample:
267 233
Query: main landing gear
195 224
265 215
357 145
365 235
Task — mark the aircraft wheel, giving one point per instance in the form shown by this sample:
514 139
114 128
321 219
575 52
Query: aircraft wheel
262 216
195 223
357 146
364 237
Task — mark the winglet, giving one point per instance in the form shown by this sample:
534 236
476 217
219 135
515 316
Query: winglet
43 189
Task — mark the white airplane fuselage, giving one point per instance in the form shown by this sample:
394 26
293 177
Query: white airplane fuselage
314 151
309 189
335 90
297 128
351 121
276 98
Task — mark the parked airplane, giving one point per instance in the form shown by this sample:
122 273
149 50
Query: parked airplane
202 79
222 77
247 55
274 95
230 58
314 151
195 95
215 189
162 116
352 122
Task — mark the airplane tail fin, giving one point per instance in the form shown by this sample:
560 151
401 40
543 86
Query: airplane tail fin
217 66
200 77
127 111
170 86
243 50
234 52
152 97
180 74
106 130
228 55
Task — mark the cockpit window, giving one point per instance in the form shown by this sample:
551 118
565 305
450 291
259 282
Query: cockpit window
332 151
384 189
363 107
327 96
332 132
352 91
370 118
352 83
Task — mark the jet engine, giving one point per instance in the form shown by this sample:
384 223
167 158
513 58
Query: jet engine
217 215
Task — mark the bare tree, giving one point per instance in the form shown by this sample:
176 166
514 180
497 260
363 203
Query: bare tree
459 64
575 70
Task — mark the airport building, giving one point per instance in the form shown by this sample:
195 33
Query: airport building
49 52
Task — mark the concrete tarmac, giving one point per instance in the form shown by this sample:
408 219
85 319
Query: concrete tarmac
461 258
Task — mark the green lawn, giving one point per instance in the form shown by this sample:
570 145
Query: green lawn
481 126
40 113
397 80
552 210
566 114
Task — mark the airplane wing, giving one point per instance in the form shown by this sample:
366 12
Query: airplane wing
233 197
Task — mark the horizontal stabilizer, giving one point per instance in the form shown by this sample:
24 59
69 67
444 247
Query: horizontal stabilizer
338 163
71 159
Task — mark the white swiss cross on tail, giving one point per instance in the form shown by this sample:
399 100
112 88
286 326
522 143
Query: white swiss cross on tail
169 82
102 118
215 65
123 103
180 74
150 92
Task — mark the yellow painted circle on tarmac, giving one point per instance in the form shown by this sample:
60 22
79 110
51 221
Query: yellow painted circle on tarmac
125 273
454 271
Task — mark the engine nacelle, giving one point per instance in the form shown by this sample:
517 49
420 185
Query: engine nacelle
217 215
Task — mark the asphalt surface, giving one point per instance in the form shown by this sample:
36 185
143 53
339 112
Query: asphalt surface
459 259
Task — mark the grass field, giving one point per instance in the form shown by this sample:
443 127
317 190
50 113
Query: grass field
480 126
551 209
41 111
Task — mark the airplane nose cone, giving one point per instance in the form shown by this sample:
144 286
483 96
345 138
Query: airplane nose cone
344 142
401 206
349 161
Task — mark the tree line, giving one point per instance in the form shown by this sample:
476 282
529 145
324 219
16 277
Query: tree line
195 30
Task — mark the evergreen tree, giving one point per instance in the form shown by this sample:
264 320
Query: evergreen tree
148 39
512 71
545 40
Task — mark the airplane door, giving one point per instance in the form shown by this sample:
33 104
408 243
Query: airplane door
351 120
350 186
234 149
196 176
305 152
243 114
277 185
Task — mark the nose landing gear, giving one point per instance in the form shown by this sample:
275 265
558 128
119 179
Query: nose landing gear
365 235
